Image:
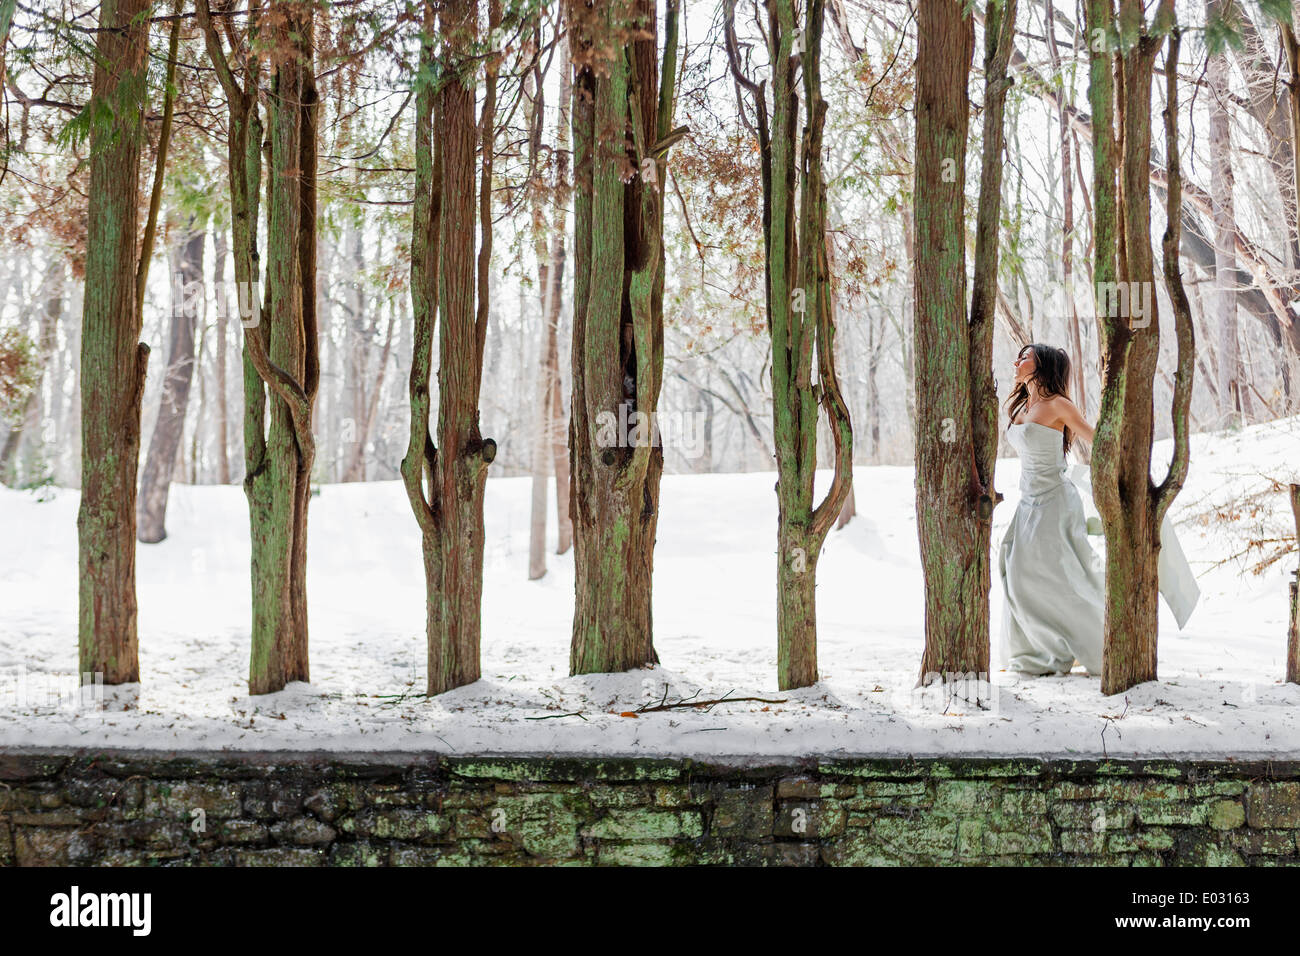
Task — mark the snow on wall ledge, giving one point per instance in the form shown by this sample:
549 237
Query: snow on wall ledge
120 808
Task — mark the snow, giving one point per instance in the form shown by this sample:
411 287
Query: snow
1219 693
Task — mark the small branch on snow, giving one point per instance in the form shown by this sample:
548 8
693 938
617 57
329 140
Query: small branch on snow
692 702
575 713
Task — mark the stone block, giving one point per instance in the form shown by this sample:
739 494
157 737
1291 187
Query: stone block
636 854
280 856
358 854
1135 840
646 824
810 821
543 824
180 798
303 831
965 796
1173 813
328 802
1271 805
1226 814
742 812
398 823
241 832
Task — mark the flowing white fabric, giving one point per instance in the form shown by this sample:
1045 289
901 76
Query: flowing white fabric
1053 580
1177 581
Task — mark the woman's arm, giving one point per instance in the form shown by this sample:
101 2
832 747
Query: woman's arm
1073 419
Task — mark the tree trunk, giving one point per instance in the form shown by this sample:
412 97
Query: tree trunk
443 278
956 403
244 165
7 8
201 409
544 423
223 318
704 409
1265 102
155 482
559 427
282 352
68 436
541 466
371 410
1226 278
1125 424
621 115
359 336
848 512
1130 505
875 333
1293 633
113 360
800 310
1078 380
29 423
1291 50
560 457
462 466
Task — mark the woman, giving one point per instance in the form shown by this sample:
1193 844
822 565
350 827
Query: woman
1053 581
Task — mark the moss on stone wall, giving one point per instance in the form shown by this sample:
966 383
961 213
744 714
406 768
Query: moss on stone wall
134 808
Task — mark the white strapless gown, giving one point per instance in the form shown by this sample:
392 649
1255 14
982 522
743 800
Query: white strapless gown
1053 581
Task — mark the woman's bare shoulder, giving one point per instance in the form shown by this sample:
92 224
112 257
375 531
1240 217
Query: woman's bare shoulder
1065 411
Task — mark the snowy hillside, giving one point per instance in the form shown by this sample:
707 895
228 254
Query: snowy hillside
1219 692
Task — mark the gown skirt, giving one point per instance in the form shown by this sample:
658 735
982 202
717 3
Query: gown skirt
1053 581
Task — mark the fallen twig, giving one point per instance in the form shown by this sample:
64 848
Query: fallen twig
692 702
575 713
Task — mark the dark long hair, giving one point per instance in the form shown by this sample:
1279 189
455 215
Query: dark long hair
1051 374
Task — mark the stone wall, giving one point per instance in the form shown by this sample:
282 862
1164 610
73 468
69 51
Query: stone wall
401 809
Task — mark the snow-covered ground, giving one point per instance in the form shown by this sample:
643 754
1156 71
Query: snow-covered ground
1219 694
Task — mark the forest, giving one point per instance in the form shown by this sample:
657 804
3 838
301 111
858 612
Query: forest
603 246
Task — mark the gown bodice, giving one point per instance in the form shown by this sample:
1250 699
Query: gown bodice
1043 467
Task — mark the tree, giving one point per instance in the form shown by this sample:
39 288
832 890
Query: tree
160 463
281 359
19 380
1293 630
6 18
360 336
1233 399
220 247
1271 296
1291 49
800 306
113 360
28 417
1130 504
446 482
244 166
1078 379
290 367
550 449
956 398
622 131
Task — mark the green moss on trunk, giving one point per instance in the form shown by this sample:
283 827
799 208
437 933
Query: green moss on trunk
113 360
622 108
